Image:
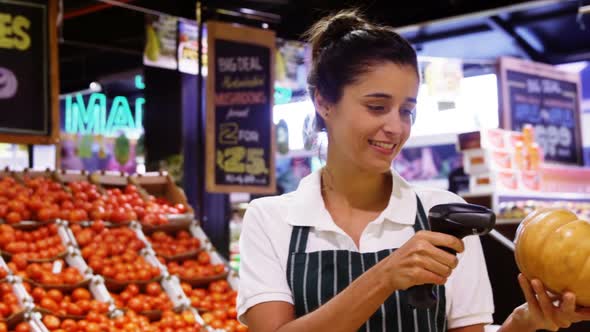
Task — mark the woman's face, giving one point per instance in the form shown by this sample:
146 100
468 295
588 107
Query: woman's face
372 120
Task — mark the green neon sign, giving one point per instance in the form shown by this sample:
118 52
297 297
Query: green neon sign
93 118
139 84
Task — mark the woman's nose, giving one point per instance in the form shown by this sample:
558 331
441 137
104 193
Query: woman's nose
393 123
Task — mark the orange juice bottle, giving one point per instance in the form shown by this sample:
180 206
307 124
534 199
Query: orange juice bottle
534 156
528 133
519 155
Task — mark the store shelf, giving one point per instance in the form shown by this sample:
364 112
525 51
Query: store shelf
583 197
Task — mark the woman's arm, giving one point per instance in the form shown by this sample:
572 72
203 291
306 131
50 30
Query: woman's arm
345 312
417 262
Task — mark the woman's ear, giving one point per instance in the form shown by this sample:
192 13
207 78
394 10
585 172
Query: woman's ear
322 106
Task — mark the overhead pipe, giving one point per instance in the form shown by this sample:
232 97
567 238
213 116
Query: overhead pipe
478 15
250 14
90 9
125 4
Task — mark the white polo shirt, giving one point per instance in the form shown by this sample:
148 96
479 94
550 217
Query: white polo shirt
266 232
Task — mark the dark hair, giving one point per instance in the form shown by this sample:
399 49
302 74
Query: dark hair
344 46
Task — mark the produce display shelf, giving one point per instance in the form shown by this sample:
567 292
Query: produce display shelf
94 282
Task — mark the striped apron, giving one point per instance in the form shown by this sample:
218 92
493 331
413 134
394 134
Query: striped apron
316 277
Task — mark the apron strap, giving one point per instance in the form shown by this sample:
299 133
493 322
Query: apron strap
299 236
421 223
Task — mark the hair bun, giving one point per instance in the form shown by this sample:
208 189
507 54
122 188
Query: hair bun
334 28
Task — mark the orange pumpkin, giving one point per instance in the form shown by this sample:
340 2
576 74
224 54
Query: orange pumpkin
553 246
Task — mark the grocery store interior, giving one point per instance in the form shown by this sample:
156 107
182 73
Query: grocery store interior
123 185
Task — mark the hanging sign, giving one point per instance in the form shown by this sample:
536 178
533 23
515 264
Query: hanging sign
28 72
240 134
549 100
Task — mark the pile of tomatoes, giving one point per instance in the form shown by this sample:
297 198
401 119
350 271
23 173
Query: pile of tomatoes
44 242
122 206
167 245
152 298
130 322
195 268
9 304
78 302
114 253
217 304
47 273
20 327
38 199
113 206
43 199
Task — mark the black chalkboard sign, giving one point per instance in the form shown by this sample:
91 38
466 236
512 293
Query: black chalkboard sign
548 99
241 145
25 95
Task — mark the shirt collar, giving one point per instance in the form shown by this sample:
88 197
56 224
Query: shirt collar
307 207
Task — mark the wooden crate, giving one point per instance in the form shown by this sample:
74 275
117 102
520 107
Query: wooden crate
161 185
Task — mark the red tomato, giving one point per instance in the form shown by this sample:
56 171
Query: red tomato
130 189
241 328
98 226
55 295
69 325
81 196
51 322
133 289
74 309
162 219
4 310
64 214
153 289
23 327
13 217
16 206
38 294
67 205
3 210
35 203
181 208
81 294
119 215
217 324
232 313
97 213
78 215
135 304
49 304
204 258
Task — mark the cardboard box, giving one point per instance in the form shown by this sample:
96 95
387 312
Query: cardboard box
530 180
480 161
487 182
489 139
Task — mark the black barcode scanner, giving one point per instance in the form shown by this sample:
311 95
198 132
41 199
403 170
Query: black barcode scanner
458 220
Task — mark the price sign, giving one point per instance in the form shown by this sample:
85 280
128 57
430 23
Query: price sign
240 140
547 98
28 71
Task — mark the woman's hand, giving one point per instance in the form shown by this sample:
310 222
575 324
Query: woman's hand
540 312
419 261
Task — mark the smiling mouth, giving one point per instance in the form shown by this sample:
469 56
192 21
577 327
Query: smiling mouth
383 145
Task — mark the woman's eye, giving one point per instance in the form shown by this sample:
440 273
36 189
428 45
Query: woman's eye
409 113
376 108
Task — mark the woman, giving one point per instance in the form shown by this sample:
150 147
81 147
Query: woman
324 257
